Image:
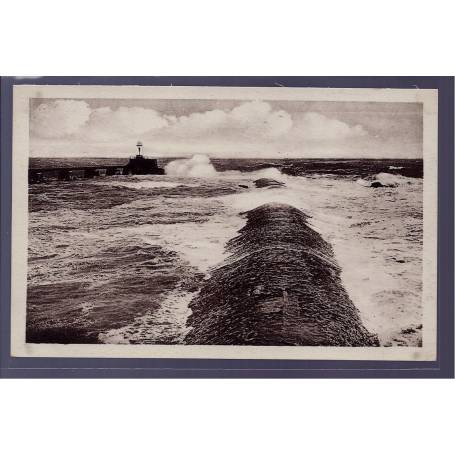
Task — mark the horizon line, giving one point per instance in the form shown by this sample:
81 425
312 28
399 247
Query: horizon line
226 158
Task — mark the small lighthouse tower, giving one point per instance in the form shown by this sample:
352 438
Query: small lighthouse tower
139 148
141 165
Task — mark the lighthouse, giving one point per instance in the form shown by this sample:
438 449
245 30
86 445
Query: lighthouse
139 164
139 148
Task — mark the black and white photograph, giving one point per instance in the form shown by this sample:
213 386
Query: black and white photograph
226 228
226 222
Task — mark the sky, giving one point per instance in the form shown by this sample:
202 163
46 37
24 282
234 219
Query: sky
225 128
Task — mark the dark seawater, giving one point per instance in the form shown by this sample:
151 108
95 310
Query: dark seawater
117 259
298 167
343 168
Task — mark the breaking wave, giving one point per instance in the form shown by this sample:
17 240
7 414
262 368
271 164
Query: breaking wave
386 179
245 301
200 166
269 173
196 166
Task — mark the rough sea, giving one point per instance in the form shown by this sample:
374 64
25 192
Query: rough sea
118 259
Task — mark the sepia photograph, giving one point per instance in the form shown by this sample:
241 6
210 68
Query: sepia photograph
224 222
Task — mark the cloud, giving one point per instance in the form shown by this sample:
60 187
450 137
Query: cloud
59 118
249 119
198 122
259 117
249 128
317 127
252 120
125 122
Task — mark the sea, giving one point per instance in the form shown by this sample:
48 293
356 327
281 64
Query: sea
117 259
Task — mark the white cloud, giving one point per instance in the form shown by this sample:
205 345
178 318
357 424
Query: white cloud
197 122
251 119
259 117
249 128
317 127
125 122
59 118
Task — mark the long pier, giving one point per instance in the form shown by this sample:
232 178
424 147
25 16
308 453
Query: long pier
137 165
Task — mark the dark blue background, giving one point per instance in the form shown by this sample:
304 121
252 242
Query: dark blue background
207 368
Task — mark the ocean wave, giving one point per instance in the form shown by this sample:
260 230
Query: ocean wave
141 185
280 286
200 166
166 325
372 234
387 180
268 173
196 166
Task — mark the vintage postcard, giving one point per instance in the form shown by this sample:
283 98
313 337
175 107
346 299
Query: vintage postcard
224 222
